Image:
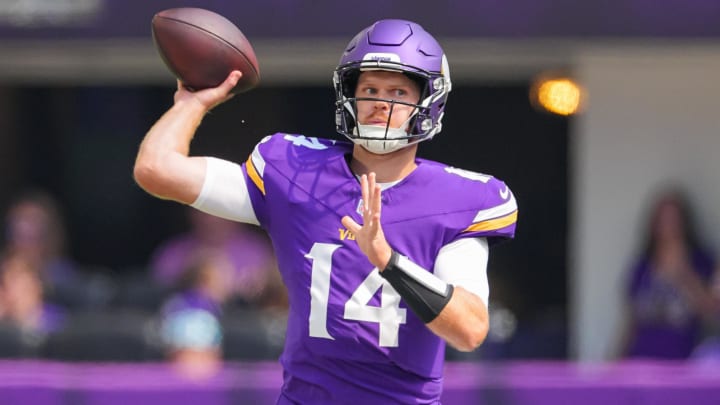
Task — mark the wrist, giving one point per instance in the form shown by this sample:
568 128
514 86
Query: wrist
385 258
424 293
191 106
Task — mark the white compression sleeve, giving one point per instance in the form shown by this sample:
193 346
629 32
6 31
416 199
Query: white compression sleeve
463 263
224 192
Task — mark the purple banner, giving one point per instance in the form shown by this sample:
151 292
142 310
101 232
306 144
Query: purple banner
513 383
333 18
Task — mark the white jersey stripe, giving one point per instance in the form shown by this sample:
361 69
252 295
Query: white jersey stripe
497 211
258 161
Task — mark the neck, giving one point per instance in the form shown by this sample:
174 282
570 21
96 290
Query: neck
390 167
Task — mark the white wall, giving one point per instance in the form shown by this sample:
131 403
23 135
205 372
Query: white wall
653 116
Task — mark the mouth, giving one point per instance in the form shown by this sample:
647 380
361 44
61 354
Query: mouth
377 121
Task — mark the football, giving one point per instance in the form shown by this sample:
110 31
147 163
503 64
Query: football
201 48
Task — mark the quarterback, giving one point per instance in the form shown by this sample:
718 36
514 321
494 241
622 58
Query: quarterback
383 254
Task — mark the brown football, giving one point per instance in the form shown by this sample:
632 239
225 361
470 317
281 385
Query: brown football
201 48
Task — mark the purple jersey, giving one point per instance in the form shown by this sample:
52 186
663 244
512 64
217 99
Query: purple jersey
666 325
350 337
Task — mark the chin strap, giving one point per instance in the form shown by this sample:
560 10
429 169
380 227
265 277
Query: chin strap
391 143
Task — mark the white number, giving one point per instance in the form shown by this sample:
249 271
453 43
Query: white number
301 140
468 174
321 255
389 314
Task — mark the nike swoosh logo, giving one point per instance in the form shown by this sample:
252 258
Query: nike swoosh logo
505 193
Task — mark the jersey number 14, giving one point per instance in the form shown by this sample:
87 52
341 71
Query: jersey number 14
388 315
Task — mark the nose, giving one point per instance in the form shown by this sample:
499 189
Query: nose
381 105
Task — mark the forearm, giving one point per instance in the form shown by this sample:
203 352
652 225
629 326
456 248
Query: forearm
173 132
464 321
450 311
163 167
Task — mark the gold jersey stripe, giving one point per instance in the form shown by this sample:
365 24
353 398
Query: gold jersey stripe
254 176
493 224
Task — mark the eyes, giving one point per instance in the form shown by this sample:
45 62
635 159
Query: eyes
397 93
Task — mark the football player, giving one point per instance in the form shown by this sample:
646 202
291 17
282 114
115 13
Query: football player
383 254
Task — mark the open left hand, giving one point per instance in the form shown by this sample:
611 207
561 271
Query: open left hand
369 236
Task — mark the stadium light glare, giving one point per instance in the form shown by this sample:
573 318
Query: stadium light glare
558 95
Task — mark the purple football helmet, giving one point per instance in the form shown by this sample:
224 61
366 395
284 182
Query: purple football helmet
397 46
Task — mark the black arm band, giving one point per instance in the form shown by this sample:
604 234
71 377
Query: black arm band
425 294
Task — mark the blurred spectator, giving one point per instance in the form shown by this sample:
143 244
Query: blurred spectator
191 330
708 351
34 228
670 294
255 279
22 302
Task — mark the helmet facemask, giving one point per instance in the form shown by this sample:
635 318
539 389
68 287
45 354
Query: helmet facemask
382 139
419 126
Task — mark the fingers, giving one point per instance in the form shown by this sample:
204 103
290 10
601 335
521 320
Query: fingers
371 186
231 80
369 235
223 92
364 192
371 196
211 97
350 224
375 194
373 202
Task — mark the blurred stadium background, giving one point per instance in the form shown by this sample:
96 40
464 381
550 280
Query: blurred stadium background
635 107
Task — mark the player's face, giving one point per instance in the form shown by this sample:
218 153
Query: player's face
389 86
